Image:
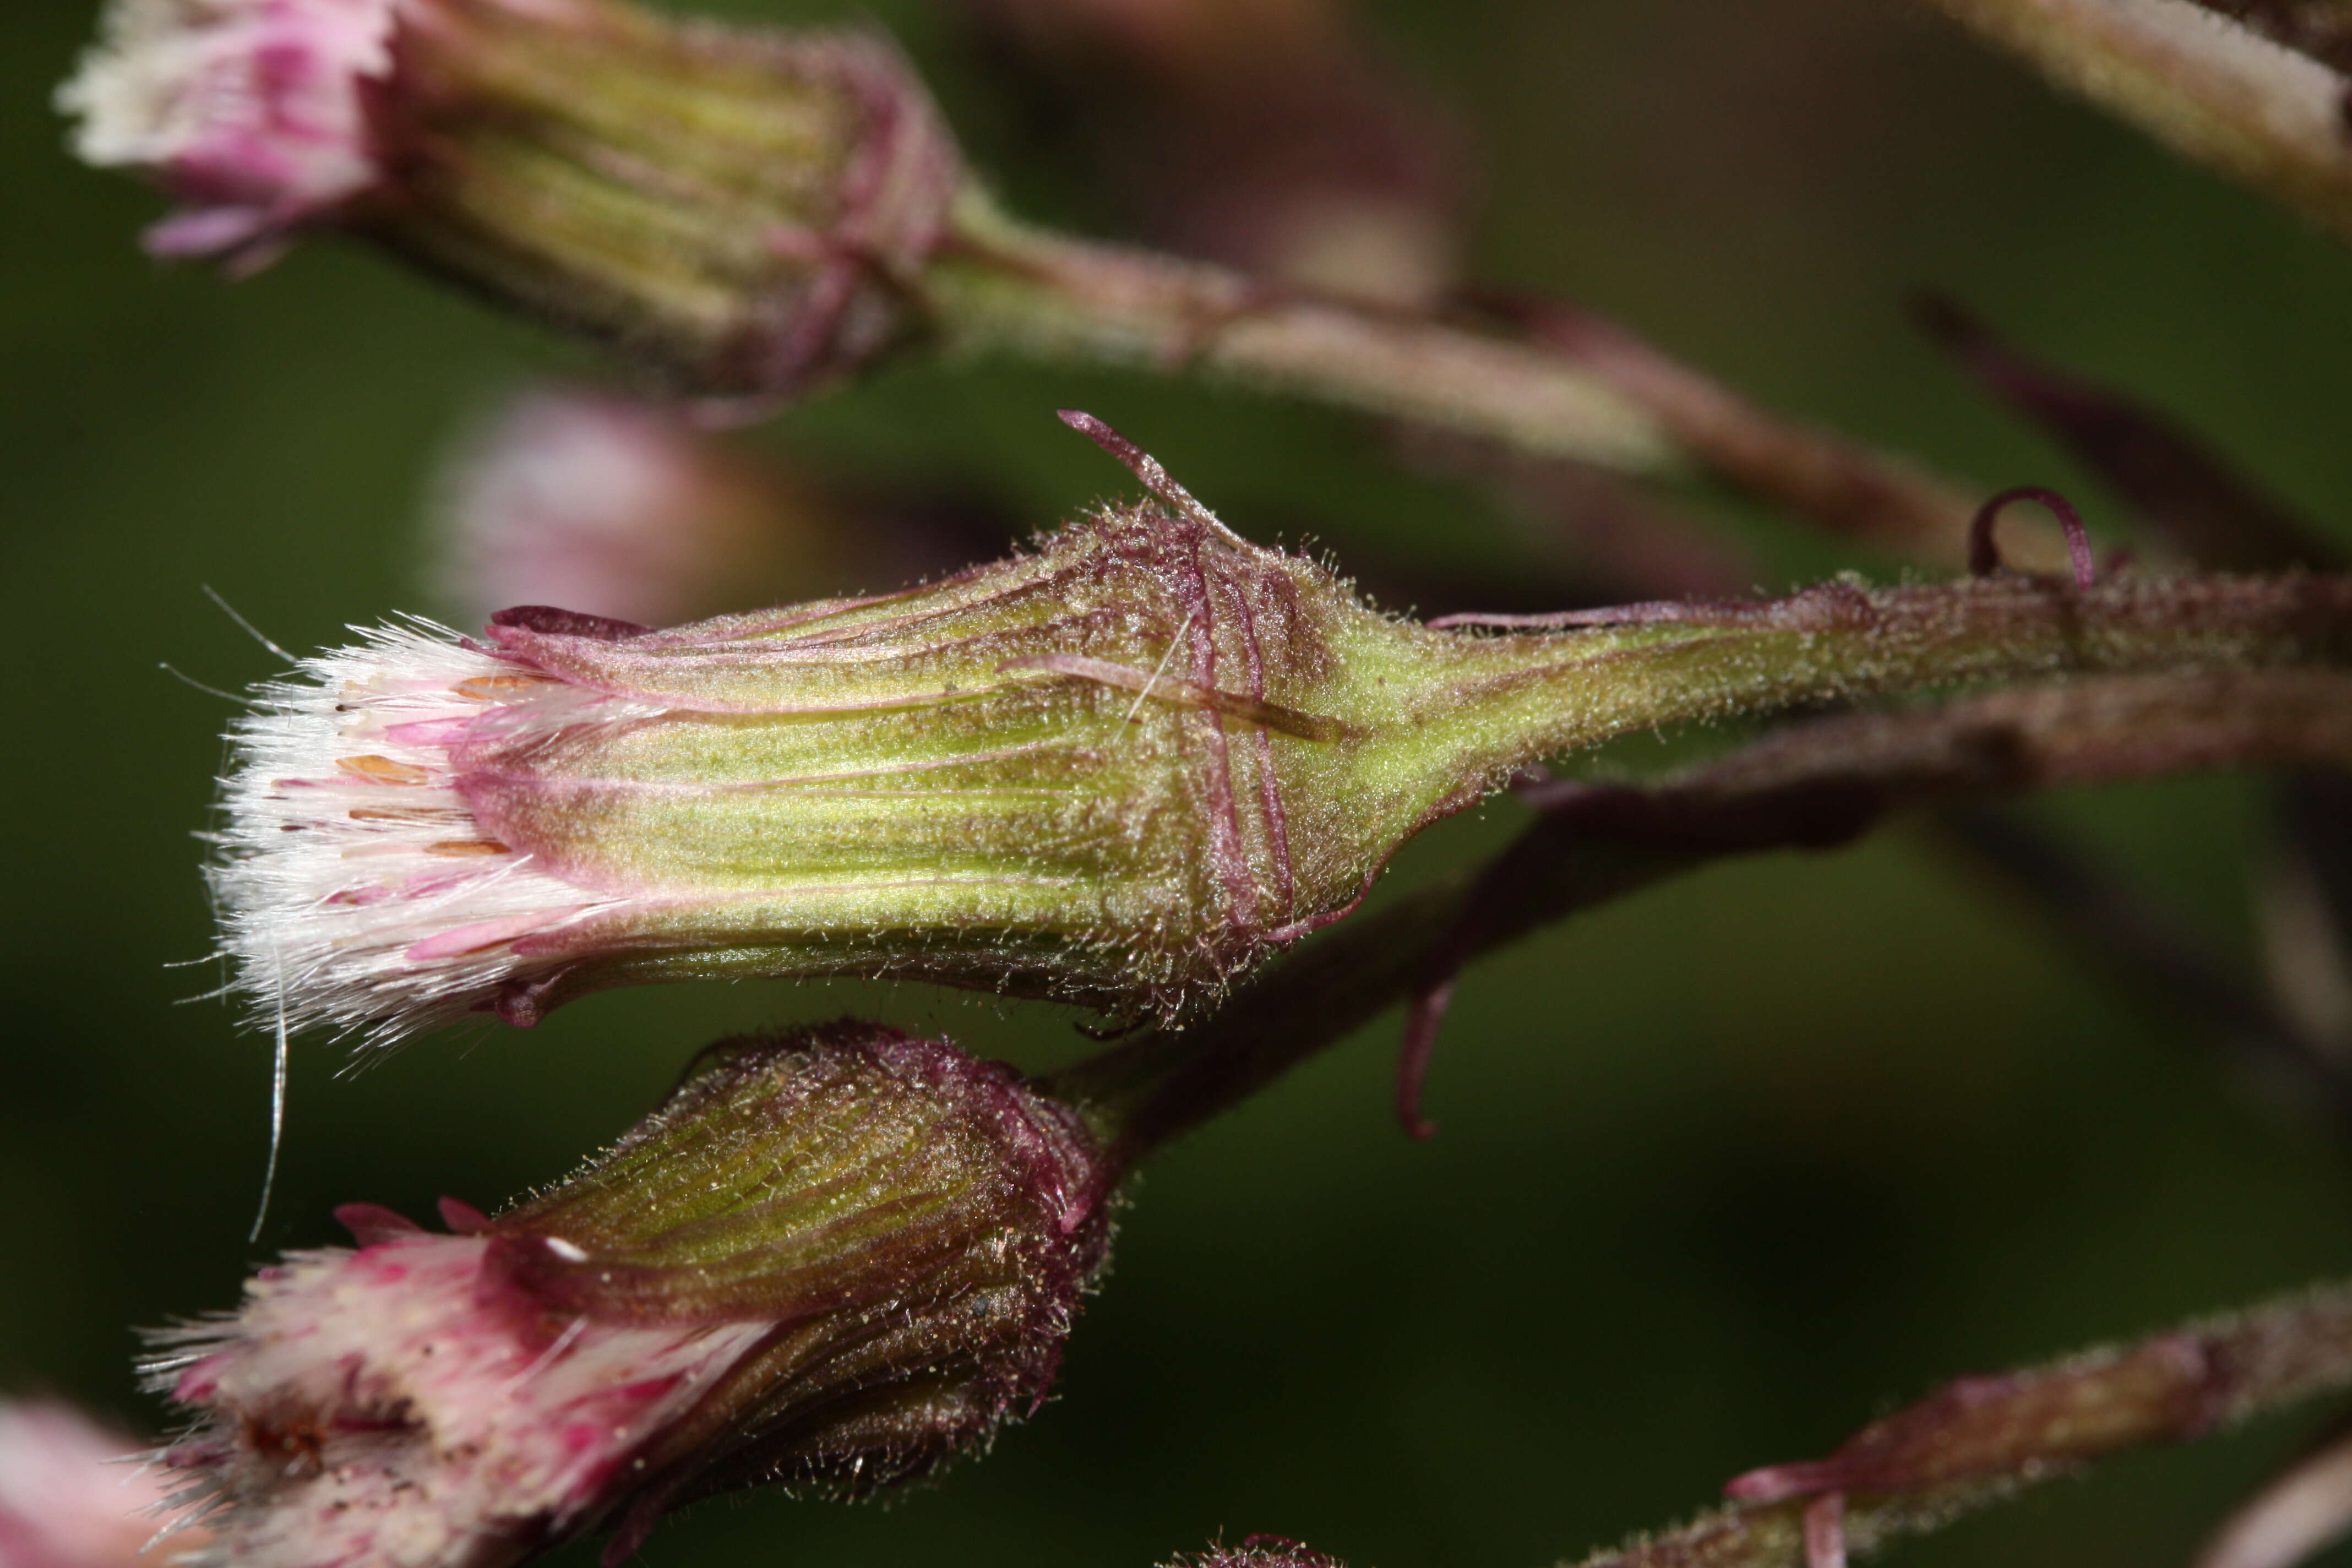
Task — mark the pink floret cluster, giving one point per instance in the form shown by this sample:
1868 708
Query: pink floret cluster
251 114
404 1405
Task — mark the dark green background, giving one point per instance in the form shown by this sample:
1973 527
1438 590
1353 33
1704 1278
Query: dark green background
1723 1169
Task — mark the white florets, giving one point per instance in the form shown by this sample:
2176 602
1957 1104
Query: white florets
249 111
384 1407
355 888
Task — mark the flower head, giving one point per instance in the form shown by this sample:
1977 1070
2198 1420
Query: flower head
1114 771
1118 771
833 1261
249 112
560 154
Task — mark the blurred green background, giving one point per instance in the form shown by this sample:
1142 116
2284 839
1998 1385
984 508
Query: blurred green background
1723 1169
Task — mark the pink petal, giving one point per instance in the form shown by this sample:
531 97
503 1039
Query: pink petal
488 934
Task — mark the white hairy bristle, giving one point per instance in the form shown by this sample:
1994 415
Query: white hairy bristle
355 888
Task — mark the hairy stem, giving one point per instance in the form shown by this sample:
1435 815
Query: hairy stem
1980 1440
1000 284
1817 475
1567 385
1519 699
2210 89
1814 785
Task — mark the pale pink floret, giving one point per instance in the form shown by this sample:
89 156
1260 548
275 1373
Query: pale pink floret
250 112
402 1407
355 886
75 1495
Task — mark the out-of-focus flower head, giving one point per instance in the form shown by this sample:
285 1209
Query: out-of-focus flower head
558 154
833 1261
620 508
75 1495
248 112
633 509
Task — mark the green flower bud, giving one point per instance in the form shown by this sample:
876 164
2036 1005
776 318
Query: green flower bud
833 1261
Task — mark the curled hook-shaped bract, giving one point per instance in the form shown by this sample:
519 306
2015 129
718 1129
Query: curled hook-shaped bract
1984 553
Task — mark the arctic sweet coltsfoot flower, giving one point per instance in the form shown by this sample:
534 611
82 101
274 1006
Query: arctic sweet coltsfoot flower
1018 779
1117 771
831 1261
737 210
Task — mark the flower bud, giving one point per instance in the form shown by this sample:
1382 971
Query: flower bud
75 1495
1114 772
831 1261
558 154
1118 771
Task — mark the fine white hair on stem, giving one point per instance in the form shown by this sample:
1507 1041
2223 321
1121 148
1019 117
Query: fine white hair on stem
355 889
